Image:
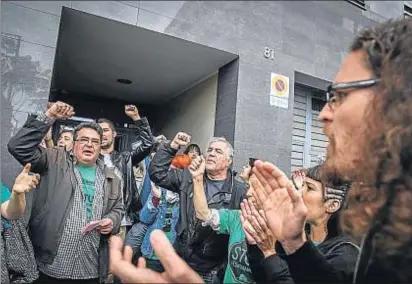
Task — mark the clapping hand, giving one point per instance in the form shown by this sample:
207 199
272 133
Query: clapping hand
283 205
247 227
257 228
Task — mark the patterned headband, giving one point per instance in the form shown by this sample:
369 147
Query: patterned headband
335 193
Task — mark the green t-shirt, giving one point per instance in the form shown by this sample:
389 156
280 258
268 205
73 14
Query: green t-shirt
5 193
88 174
238 269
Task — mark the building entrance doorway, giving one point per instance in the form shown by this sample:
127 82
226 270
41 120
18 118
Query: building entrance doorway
101 65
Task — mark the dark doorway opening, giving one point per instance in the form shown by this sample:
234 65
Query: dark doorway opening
101 65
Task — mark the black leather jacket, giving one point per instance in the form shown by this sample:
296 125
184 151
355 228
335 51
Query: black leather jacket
201 247
125 162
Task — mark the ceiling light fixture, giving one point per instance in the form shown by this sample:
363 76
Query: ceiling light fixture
124 81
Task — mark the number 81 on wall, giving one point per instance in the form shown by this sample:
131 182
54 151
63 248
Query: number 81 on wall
269 53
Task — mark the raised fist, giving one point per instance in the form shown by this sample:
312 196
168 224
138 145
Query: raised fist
60 110
197 167
181 140
132 112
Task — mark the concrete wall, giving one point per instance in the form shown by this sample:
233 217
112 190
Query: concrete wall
192 112
310 37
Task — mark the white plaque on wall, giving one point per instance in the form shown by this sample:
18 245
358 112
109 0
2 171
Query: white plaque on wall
279 91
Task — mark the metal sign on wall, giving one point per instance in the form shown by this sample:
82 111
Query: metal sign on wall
279 91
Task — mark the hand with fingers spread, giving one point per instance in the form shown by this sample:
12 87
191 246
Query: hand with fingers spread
298 179
181 140
260 232
60 110
283 205
25 181
132 112
176 270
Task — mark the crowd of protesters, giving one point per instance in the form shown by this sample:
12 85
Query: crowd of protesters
169 212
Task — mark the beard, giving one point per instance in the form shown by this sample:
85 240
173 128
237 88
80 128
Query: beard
344 159
107 145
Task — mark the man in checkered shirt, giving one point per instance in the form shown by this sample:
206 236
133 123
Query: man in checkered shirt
75 189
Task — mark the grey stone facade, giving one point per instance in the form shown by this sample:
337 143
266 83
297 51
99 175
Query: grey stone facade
310 37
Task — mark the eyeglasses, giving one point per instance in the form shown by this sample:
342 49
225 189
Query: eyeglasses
85 140
334 95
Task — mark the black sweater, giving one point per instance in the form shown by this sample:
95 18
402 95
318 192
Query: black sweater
332 261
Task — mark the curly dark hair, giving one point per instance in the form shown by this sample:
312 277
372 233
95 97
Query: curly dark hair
380 201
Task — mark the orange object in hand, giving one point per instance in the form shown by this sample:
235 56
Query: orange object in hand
181 161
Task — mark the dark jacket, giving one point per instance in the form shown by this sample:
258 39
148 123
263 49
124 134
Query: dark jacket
391 269
200 246
48 205
126 160
332 261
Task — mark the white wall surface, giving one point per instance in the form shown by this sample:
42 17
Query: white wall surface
193 112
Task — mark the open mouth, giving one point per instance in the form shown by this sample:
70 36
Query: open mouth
88 152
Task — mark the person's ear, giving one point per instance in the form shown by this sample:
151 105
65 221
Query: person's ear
333 205
114 133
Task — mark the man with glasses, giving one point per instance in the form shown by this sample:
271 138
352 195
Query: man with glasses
335 93
76 190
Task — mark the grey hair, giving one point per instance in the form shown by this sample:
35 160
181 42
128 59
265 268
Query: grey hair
91 125
228 145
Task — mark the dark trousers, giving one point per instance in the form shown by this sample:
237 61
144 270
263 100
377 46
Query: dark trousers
45 279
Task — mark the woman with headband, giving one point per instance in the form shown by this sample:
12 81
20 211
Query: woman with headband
335 254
